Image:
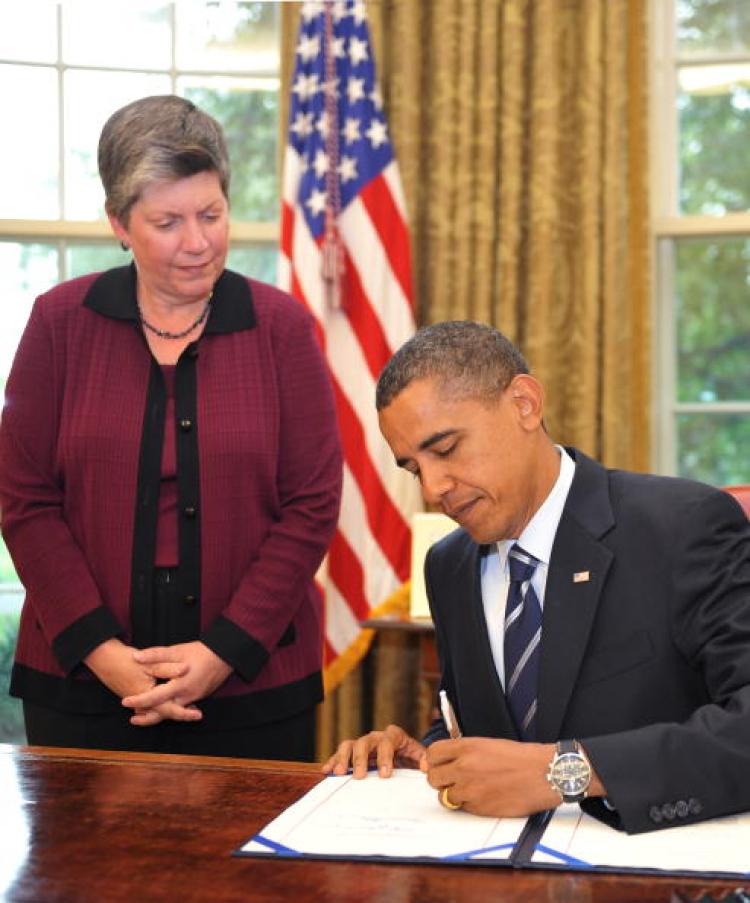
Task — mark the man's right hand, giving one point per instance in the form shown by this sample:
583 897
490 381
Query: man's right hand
386 749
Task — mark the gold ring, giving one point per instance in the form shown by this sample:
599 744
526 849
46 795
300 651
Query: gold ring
445 800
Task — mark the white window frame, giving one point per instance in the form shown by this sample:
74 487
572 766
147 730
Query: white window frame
61 231
667 224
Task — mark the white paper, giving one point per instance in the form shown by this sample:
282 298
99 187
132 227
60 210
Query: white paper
719 845
398 817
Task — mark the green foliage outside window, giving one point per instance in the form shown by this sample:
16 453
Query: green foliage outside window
713 319
714 447
714 155
712 26
7 571
250 122
249 119
712 274
11 715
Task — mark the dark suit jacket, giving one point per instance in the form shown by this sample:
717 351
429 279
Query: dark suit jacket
647 663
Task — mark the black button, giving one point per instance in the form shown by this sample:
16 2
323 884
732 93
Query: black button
654 813
186 425
191 600
681 808
668 811
695 807
189 511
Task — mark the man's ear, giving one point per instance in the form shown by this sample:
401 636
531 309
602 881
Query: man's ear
527 395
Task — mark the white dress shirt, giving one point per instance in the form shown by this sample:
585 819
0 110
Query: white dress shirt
537 540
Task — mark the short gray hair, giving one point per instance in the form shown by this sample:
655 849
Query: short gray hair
469 359
155 139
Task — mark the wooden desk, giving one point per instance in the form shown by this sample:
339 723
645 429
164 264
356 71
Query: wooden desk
86 827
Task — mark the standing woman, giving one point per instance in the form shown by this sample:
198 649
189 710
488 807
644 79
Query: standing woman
170 475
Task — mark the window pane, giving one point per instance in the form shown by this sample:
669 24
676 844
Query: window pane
228 37
713 319
257 261
81 259
29 32
90 98
26 270
132 35
713 447
714 116
9 593
248 111
11 716
712 26
29 177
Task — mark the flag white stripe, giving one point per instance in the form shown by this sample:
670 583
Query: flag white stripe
393 178
380 578
291 176
371 262
342 628
348 364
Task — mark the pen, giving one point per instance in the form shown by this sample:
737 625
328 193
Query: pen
449 716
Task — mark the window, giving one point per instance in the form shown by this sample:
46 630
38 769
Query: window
64 68
701 194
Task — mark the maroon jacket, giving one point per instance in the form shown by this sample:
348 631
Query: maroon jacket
259 484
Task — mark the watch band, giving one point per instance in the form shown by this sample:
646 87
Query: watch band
568 746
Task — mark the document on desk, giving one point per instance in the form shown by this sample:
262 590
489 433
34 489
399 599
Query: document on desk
397 817
400 819
575 840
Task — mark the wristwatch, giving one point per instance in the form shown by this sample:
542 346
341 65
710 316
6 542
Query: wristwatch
570 771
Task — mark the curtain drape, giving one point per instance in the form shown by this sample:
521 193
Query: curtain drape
520 131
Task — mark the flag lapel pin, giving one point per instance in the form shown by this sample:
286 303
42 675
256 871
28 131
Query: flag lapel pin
581 576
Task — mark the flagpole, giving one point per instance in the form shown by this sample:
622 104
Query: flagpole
332 264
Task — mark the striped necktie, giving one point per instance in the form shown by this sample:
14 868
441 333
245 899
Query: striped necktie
523 632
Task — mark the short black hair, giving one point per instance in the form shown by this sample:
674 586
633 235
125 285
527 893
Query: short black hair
470 359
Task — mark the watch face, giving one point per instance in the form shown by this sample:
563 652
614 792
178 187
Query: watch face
571 773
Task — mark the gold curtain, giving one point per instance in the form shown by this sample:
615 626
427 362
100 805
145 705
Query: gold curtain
520 131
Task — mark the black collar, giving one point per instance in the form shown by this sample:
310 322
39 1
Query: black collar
112 294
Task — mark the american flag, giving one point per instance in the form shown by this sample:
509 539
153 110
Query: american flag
345 255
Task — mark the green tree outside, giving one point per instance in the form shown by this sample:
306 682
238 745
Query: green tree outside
712 275
11 714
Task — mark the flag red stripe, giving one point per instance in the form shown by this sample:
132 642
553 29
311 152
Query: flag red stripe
363 319
385 520
392 231
296 290
360 313
345 570
287 229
